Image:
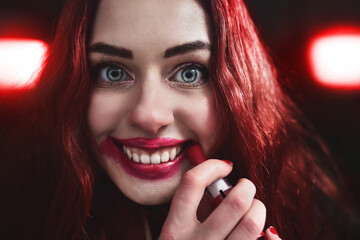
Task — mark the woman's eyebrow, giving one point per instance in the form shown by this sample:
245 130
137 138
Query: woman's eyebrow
110 50
186 47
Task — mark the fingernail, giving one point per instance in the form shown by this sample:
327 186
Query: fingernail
273 230
228 162
262 234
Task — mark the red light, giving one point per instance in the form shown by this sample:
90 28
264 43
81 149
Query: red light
20 62
335 58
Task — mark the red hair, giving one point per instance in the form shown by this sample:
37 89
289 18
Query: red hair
54 169
264 133
261 133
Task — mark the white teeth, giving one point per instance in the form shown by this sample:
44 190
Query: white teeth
136 157
128 153
155 158
173 154
145 159
165 156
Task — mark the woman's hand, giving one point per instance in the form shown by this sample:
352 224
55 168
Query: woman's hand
239 216
271 234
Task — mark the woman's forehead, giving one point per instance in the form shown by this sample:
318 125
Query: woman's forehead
150 23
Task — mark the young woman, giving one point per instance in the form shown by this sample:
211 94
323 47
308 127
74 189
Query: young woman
99 148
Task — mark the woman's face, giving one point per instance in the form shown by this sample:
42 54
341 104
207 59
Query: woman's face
151 94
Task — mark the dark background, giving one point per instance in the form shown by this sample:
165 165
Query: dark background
286 27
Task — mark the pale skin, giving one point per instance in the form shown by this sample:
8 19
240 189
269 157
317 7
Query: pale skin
153 101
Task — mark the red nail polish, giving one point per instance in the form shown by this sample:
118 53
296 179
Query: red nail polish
273 230
228 162
261 236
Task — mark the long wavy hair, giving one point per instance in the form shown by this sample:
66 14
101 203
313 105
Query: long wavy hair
48 161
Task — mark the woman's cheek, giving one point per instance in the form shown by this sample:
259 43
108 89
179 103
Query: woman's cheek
201 118
104 112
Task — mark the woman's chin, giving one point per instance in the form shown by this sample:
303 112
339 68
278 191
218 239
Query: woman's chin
150 197
153 201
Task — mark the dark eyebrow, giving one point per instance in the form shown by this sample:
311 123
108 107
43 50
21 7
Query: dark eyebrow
110 50
186 47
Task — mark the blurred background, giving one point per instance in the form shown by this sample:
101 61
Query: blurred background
315 45
327 88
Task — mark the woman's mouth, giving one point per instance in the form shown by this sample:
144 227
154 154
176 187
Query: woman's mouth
146 158
139 155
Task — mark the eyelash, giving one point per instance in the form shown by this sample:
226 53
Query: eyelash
204 74
103 81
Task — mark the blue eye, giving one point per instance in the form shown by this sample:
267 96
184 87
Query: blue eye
192 74
189 75
114 74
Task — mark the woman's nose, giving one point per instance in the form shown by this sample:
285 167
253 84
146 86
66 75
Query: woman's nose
152 111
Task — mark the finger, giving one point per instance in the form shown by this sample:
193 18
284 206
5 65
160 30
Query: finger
227 215
192 186
271 234
252 224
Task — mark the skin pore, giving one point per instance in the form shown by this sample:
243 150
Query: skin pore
150 70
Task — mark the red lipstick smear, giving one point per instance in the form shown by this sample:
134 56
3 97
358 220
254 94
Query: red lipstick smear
145 171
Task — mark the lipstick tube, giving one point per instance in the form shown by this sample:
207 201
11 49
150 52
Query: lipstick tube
217 189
